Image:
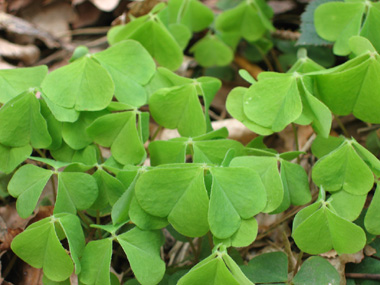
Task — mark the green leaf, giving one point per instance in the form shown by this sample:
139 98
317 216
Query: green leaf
74 134
144 220
155 38
76 191
15 81
371 160
247 19
353 88
296 185
62 114
178 107
143 252
360 45
274 102
372 21
40 247
211 51
117 131
130 67
372 218
323 146
192 13
215 269
12 157
343 169
237 193
269 267
268 170
235 106
22 123
178 194
26 185
338 22
96 262
214 151
346 205
162 152
75 237
244 236
53 125
91 87
181 34
317 270
315 111
110 189
316 229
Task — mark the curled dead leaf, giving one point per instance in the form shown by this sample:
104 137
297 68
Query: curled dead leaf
16 26
28 54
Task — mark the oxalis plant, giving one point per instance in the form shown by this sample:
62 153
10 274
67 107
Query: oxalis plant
201 187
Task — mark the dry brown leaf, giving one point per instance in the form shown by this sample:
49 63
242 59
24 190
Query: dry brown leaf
243 63
88 14
5 242
11 217
15 5
31 275
280 7
139 8
24 32
54 18
339 262
369 250
106 5
29 54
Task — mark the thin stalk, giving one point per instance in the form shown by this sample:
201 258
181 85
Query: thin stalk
276 61
40 152
83 217
99 231
299 260
342 127
192 247
295 131
198 253
210 241
9 266
53 188
156 133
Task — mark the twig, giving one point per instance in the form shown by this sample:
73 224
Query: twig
342 127
363 276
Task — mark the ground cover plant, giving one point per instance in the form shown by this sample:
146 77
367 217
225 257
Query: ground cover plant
118 191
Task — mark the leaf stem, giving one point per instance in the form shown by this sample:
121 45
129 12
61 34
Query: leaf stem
40 152
342 127
158 130
295 131
9 266
53 188
192 248
210 241
299 260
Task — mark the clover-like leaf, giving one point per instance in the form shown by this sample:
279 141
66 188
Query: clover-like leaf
317 229
235 106
179 107
155 38
237 193
110 189
15 81
347 205
11 157
211 51
268 170
338 21
353 88
143 252
96 262
76 191
274 102
39 246
22 123
317 270
178 194
130 67
27 185
118 131
91 87
218 268
269 267
250 19
192 13
372 218
244 236
343 169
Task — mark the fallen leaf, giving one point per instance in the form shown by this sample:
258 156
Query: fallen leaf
17 26
88 14
54 18
28 54
6 65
